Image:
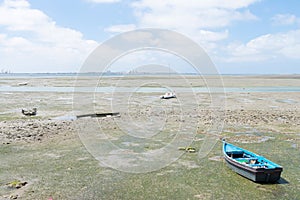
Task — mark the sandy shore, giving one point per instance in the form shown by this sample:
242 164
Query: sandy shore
259 119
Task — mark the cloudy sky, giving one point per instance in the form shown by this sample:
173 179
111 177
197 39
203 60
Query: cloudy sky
240 36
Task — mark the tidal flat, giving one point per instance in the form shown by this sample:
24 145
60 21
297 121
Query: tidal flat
49 154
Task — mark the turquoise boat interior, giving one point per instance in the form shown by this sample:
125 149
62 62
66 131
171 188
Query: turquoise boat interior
248 158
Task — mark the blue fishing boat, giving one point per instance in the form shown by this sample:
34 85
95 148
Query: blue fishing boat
250 165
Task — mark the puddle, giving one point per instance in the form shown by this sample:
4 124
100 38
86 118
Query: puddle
52 155
204 196
65 99
7 93
251 138
165 172
216 158
245 100
5 113
108 98
188 164
294 146
65 118
288 101
130 144
250 135
83 158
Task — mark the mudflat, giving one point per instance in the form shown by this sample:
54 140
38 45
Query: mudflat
44 157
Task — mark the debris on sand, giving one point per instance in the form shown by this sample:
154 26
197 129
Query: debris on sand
110 114
32 130
22 83
29 112
188 149
16 184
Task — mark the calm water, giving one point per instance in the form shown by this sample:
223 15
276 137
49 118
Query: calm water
7 88
145 89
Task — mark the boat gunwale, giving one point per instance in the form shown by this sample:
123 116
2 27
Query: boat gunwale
247 167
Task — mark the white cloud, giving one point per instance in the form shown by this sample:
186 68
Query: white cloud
193 4
121 28
16 3
103 1
43 42
194 15
267 47
208 23
285 19
179 15
205 21
212 35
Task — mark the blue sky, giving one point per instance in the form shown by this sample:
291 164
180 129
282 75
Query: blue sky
246 36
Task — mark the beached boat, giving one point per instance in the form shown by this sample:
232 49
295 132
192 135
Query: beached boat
168 95
29 112
250 165
23 84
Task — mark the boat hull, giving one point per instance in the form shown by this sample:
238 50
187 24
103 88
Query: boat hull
256 175
251 165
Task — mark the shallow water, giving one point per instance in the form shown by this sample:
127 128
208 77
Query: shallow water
149 89
289 101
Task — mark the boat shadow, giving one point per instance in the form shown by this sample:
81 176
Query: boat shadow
280 181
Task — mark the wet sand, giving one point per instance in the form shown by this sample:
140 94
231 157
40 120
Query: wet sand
258 121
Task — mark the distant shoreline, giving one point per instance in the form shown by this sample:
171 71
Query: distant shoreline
70 74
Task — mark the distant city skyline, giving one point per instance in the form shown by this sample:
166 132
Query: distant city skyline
241 37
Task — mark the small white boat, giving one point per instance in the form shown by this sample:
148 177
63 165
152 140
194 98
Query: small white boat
168 95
